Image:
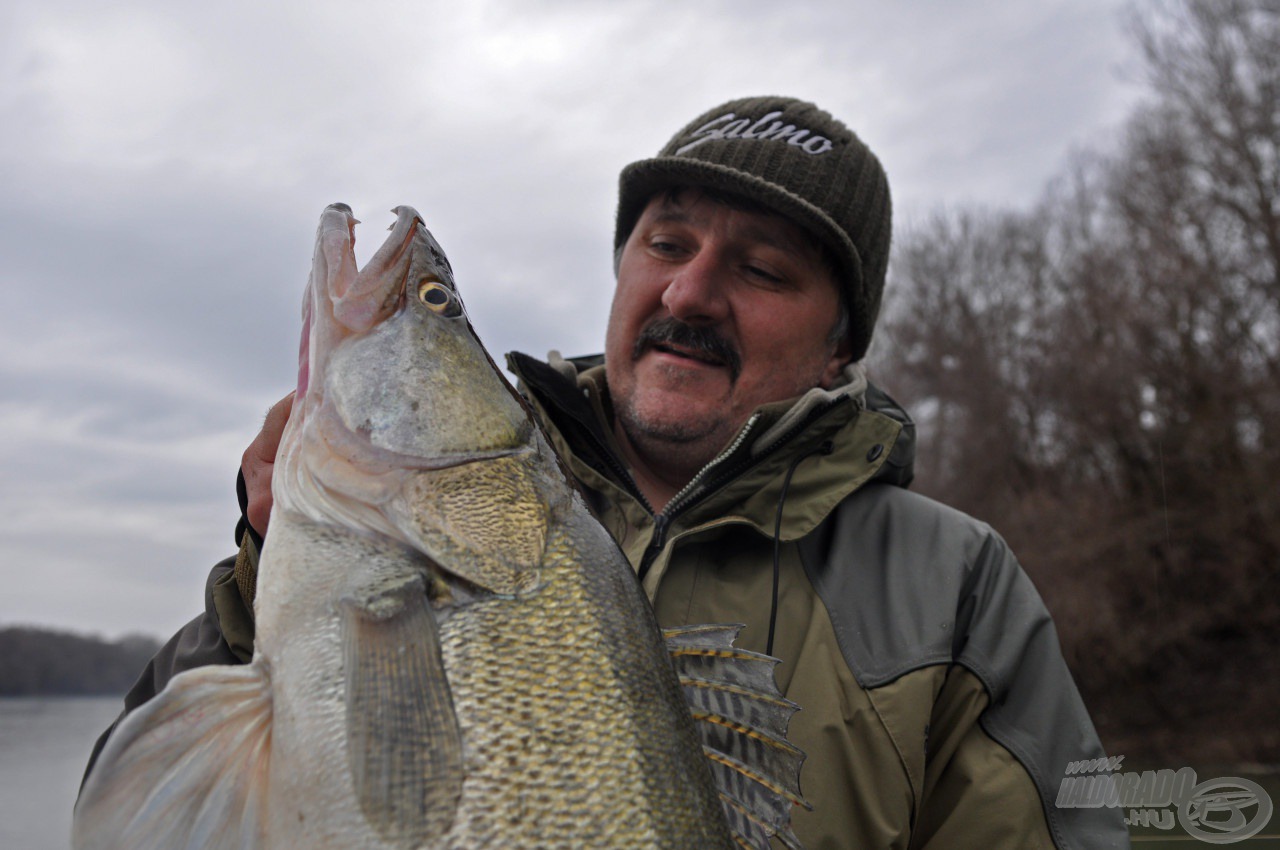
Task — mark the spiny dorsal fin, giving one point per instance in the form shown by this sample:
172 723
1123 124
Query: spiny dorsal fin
742 721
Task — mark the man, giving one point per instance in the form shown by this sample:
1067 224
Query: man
730 443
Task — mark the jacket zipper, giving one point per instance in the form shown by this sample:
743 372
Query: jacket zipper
694 492
662 521
688 495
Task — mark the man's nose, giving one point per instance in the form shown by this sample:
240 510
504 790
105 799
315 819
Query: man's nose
697 293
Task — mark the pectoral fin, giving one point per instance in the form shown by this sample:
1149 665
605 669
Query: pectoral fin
188 769
405 745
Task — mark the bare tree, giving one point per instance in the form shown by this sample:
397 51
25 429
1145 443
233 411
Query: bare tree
1098 376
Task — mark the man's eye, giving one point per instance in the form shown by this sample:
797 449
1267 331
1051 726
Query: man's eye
763 274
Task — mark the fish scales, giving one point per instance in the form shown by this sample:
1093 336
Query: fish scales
602 703
449 652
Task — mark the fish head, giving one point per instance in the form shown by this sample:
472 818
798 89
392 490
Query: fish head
403 425
403 382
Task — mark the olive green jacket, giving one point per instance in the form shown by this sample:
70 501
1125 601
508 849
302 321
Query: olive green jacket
936 709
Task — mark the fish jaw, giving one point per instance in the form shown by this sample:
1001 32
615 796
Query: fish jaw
388 350
341 299
362 301
418 383
333 269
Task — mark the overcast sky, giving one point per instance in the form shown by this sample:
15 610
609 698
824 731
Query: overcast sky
164 166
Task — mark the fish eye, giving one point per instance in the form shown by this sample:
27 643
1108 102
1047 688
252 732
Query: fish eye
438 298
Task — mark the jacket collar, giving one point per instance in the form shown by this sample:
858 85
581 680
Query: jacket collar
745 481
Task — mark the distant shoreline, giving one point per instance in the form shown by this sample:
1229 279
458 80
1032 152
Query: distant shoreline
38 661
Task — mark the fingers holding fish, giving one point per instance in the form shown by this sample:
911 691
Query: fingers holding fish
258 462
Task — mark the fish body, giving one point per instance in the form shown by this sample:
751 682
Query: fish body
449 652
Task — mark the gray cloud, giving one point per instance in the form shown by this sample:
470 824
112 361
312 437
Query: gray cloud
165 166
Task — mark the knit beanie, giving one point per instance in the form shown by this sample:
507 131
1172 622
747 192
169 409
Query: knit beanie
795 159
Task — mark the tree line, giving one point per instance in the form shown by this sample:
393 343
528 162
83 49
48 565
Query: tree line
36 662
1099 377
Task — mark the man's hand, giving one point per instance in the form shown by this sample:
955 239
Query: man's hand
259 461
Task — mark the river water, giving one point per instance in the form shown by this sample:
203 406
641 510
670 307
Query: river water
44 745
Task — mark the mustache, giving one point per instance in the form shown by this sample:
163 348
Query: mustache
699 339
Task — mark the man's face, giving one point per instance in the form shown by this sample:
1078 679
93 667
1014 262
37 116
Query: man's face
716 312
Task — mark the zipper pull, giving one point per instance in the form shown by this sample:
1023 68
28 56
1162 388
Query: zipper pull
660 524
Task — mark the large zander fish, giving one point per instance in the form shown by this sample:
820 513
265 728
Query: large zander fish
450 652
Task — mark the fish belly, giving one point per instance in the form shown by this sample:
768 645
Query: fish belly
309 572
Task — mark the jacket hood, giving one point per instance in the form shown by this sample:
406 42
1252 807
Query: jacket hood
900 468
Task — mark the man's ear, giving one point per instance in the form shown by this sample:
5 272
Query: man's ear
840 357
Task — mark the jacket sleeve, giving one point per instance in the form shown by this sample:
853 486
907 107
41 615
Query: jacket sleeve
909 584
1006 641
223 634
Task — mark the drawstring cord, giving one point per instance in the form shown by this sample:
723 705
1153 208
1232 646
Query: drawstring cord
825 449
